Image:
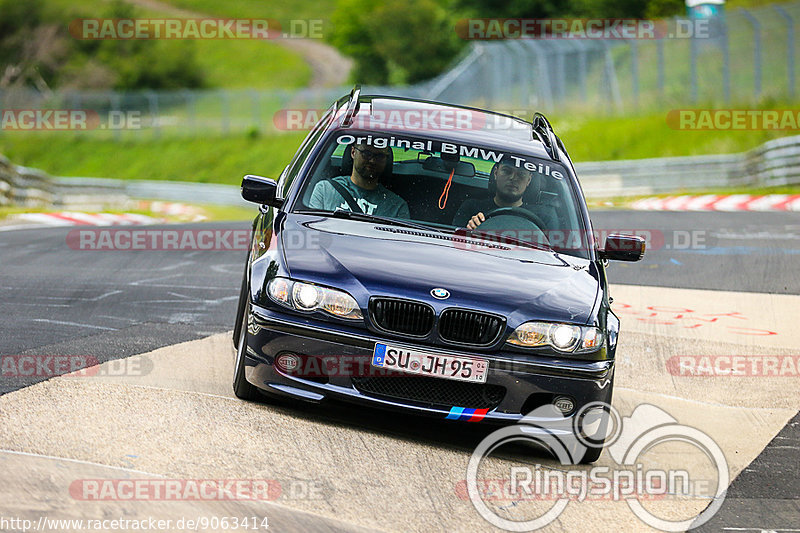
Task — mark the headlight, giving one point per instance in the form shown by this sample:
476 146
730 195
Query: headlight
565 337
308 297
279 289
305 296
562 337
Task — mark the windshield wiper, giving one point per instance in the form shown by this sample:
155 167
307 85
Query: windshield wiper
350 215
505 239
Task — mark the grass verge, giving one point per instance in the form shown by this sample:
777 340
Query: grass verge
199 212
224 159
205 160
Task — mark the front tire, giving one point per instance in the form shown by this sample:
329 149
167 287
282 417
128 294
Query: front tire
242 388
240 309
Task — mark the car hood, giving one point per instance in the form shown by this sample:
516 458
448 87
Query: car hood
368 259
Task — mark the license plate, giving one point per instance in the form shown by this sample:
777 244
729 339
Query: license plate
470 369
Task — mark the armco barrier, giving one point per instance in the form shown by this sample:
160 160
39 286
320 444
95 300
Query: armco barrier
774 163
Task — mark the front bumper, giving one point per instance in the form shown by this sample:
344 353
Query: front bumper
529 381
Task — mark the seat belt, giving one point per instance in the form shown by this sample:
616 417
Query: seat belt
347 197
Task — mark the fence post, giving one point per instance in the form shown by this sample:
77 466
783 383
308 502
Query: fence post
789 48
509 62
561 74
693 68
634 72
487 78
726 61
114 97
188 97
152 101
226 109
611 77
582 67
256 97
524 71
756 51
446 80
545 86
660 52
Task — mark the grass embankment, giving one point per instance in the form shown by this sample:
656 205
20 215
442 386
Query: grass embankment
224 159
648 135
207 160
226 63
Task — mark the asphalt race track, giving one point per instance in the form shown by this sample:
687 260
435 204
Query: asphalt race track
161 406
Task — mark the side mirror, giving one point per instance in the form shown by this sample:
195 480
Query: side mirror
260 190
623 248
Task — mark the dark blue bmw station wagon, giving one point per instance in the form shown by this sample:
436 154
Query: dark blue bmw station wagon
429 258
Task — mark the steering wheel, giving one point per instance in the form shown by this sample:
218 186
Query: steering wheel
516 212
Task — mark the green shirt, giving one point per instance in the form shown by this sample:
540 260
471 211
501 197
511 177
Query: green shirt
379 201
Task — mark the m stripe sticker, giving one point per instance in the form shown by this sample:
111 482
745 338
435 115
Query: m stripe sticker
469 415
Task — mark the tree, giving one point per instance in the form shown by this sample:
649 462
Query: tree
395 41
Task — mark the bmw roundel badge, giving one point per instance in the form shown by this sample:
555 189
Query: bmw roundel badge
440 294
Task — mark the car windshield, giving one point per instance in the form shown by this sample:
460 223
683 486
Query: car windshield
445 186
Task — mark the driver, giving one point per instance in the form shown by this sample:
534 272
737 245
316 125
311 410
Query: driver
510 182
363 185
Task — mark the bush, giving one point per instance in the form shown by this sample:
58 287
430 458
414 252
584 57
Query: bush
41 53
394 41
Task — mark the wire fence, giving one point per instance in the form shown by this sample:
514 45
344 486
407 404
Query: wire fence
741 58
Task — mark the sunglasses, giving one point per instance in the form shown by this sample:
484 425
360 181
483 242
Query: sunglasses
372 156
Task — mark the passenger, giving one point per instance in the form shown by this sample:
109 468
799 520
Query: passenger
363 185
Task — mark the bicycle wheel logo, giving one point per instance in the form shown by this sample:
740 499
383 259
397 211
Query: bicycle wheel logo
626 439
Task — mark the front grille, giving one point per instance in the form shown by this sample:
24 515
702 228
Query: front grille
434 391
469 327
402 316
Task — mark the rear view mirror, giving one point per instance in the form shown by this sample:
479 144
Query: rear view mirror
623 248
462 168
260 190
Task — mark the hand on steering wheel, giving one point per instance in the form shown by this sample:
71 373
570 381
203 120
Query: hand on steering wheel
510 211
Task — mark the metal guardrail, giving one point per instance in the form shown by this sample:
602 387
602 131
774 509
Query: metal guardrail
774 163
174 191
